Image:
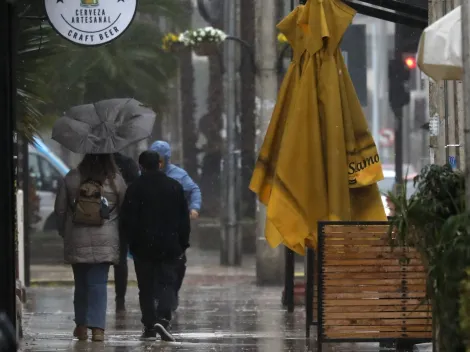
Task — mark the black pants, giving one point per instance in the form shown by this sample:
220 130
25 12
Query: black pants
156 281
121 273
180 273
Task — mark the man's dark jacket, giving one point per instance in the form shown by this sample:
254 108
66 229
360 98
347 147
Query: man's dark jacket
127 166
155 218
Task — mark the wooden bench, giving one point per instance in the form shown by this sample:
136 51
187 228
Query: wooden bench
367 292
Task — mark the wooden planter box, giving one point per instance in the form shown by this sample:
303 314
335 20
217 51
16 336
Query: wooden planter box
366 291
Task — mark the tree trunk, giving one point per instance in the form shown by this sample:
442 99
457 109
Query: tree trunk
247 118
211 126
190 150
190 133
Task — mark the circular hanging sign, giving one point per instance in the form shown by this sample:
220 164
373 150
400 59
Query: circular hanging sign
90 22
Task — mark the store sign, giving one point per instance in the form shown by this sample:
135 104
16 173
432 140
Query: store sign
90 22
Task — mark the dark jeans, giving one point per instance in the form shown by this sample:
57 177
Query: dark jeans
121 273
180 273
90 295
156 281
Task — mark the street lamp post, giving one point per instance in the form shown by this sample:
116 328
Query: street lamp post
231 235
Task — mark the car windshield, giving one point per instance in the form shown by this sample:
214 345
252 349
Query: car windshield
386 185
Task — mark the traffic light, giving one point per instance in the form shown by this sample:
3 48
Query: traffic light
410 61
398 79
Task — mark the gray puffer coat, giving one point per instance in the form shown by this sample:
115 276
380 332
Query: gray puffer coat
89 244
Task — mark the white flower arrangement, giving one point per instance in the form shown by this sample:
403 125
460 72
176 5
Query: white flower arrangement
201 35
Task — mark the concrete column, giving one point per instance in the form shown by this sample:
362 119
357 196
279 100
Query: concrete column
269 262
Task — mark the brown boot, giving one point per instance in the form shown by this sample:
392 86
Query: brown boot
81 333
97 334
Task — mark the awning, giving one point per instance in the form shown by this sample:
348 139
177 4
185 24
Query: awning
440 48
393 11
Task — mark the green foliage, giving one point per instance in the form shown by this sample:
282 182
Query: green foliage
54 75
435 222
465 309
34 51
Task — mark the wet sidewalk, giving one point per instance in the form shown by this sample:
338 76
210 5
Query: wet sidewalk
230 314
221 313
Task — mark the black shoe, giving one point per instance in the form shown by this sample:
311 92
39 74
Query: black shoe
149 334
162 327
120 306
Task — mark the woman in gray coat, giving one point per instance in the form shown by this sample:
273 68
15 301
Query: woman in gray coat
91 249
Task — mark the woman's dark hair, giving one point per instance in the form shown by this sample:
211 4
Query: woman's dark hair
98 167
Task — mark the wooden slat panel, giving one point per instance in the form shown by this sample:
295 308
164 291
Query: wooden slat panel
355 236
380 315
345 241
371 269
354 328
338 248
376 308
369 290
376 295
332 229
374 275
376 322
329 257
375 262
379 335
398 282
358 291
370 302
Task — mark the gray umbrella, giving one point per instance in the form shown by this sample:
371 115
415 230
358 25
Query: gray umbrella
104 127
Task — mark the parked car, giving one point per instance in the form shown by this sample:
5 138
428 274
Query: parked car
386 185
46 170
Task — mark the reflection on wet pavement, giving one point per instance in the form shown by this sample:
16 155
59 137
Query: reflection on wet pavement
227 316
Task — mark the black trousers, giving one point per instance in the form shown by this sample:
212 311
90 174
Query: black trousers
180 273
121 273
156 281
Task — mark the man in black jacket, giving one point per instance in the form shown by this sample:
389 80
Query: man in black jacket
130 172
155 218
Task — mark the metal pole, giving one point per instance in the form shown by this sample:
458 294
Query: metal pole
399 150
8 22
289 279
376 73
466 88
231 253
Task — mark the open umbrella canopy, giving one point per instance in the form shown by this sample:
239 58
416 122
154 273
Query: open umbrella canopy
105 127
440 48
326 164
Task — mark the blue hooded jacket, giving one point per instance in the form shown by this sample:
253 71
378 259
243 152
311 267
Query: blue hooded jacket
191 189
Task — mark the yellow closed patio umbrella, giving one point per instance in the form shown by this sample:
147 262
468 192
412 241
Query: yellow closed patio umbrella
263 174
327 166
